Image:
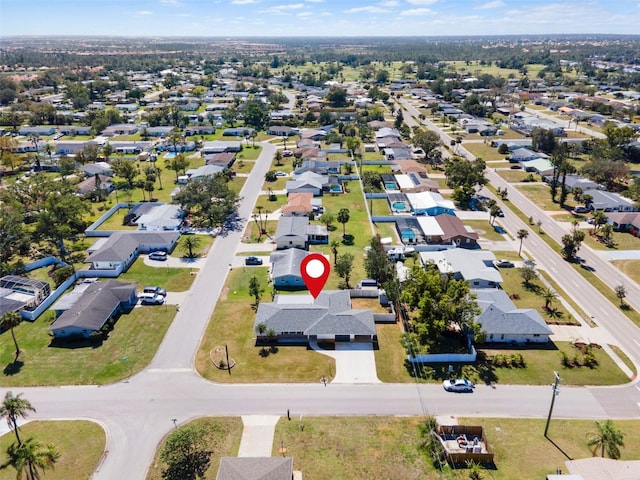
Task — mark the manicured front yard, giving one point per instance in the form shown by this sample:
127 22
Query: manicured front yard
222 438
130 346
232 325
484 151
620 241
484 229
630 268
172 279
80 444
541 196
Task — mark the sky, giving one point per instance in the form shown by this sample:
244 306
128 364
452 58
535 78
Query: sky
295 18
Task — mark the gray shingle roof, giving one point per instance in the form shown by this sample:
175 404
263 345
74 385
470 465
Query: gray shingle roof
288 226
255 468
329 314
500 316
95 306
287 262
121 245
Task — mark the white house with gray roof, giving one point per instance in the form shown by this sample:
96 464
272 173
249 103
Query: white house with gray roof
99 303
291 232
299 319
475 266
285 268
502 322
610 201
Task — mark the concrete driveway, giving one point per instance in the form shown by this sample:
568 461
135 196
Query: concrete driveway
173 262
355 362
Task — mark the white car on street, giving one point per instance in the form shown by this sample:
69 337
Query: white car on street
458 385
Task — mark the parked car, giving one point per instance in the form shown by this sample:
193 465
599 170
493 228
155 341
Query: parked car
151 299
158 256
499 229
500 213
155 291
287 153
504 263
253 261
581 210
458 385
280 173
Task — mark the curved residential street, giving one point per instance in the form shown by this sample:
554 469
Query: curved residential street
139 411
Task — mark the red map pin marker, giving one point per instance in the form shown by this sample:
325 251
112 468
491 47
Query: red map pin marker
315 269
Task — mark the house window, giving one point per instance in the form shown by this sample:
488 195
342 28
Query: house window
491 337
502 337
476 282
536 334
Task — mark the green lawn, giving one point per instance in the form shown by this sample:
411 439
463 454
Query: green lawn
630 268
541 196
251 232
223 440
485 230
621 241
268 205
80 444
115 222
484 151
531 297
514 176
172 279
129 347
205 241
243 166
387 230
249 152
232 325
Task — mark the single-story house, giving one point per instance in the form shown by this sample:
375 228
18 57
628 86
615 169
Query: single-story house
73 130
199 130
576 181
99 168
307 143
120 129
41 131
313 134
90 184
321 167
203 171
220 146
238 132
300 319
71 147
524 155
285 268
161 131
121 249
541 166
161 218
130 147
299 204
127 107
225 159
255 468
387 132
397 153
447 230
99 303
475 266
307 182
623 222
291 232
501 321
430 203
282 131
610 201
317 234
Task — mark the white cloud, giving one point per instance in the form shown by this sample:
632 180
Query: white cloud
280 9
174 3
389 3
304 14
421 2
144 12
242 2
414 12
314 1
493 4
368 9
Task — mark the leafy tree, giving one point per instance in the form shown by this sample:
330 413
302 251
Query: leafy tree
607 233
344 266
427 140
271 176
255 114
208 200
14 407
399 120
382 76
543 140
372 182
522 234
608 438
189 244
327 219
528 274
125 169
278 158
621 293
178 164
337 97
494 210
599 219
334 245
31 459
255 290
353 144
185 454
230 115
464 176
67 166
571 243
15 236
503 149
343 218
377 263
473 106
437 303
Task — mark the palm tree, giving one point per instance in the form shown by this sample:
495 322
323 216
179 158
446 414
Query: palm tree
343 218
621 293
31 458
13 406
8 321
334 249
189 244
522 234
608 438
549 296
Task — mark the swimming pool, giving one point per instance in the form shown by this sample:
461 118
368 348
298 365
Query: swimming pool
399 206
336 188
390 186
170 155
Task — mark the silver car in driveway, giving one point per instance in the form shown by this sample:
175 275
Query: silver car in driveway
458 385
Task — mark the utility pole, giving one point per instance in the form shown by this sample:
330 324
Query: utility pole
226 349
555 391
